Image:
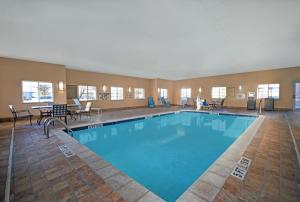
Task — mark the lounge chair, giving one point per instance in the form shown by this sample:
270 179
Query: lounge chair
77 102
165 102
20 114
73 110
87 110
221 104
151 103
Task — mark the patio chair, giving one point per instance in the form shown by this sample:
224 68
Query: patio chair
221 105
44 113
77 102
165 102
60 111
20 114
184 102
205 105
74 110
151 103
87 110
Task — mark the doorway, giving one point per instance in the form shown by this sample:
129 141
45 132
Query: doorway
296 95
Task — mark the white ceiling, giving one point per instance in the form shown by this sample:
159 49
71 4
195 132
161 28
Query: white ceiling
171 39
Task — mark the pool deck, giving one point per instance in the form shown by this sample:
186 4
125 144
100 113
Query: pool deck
41 172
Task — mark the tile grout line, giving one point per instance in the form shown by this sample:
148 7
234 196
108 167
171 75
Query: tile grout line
9 168
293 138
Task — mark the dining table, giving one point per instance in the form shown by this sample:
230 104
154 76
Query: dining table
46 110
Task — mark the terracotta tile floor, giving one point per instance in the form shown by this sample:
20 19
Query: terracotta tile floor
5 134
274 174
42 173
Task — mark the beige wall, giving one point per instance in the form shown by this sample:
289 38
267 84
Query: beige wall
161 83
13 72
75 77
249 82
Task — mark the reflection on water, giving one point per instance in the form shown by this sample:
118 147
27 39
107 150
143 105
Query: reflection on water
166 154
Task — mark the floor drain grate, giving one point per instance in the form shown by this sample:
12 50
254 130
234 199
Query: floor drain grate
240 170
66 150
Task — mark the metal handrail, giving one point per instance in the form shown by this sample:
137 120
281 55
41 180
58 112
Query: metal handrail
259 107
51 120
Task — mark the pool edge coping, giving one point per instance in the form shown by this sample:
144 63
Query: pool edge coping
133 188
227 160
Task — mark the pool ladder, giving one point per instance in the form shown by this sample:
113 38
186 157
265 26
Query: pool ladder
259 107
51 120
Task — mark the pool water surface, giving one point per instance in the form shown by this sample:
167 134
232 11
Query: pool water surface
166 154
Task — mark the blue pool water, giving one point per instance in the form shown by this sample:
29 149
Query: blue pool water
166 154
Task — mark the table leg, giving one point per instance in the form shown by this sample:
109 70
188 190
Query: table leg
40 119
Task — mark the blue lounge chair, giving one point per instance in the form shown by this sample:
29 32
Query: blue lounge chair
151 102
164 102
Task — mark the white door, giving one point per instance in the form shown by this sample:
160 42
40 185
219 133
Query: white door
296 95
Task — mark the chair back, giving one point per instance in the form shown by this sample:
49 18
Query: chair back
150 102
88 106
163 101
184 101
13 110
59 110
77 102
222 102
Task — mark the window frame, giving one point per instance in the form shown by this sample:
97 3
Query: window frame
49 82
135 95
111 97
87 88
219 92
269 91
186 92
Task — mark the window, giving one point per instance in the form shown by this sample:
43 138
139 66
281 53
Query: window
139 93
268 91
186 93
87 93
164 93
37 91
116 93
218 92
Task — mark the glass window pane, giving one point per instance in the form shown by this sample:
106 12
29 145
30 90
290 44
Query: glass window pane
164 93
92 93
45 92
87 93
139 93
116 93
30 92
82 93
186 93
218 92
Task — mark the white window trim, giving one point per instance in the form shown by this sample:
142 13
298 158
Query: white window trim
87 90
111 93
139 98
53 94
186 90
219 94
268 91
